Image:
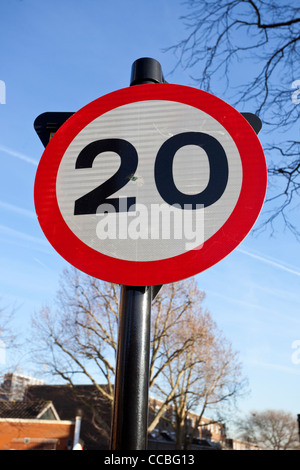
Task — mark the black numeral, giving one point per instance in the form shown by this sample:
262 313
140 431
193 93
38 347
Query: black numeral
163 172
89 203
218 166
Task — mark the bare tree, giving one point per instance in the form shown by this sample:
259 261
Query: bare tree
271 429
248 52
79 339
205 374
8 338
9 346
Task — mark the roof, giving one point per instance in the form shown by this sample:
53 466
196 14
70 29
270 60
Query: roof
23 410
83 400
71 401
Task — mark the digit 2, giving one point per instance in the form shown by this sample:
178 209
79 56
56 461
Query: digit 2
89 203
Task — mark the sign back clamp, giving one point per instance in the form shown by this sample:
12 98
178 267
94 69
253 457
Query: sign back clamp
144 70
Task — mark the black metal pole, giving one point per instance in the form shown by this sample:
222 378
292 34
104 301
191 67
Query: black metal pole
130 412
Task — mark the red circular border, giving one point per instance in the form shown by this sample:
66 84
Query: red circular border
225 240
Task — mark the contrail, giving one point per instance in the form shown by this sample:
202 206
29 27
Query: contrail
275 263
24 236
19 210
19 155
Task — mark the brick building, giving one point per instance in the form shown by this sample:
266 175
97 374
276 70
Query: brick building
46 420
206 433
33 426
96 418
14 386
234 444
83 400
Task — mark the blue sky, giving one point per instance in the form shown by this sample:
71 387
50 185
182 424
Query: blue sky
59 56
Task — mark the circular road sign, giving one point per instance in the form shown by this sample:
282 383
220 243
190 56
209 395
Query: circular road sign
150 184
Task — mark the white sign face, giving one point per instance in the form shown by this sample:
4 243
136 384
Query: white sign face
150 184
153 229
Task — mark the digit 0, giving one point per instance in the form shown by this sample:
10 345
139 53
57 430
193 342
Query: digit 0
218 165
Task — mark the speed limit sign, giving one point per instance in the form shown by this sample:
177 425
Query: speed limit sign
150 184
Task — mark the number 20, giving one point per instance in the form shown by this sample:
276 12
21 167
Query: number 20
163 172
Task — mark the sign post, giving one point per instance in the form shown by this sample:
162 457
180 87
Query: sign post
130 411
145 186
131 394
